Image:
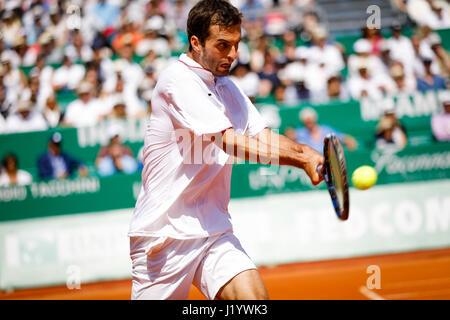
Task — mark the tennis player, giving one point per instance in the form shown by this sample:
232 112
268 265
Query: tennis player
181 231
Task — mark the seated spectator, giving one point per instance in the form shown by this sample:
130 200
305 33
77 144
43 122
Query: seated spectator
11 175
441 55
441 11
55 164
401 82
374 37
14 80
390 134
430 81
78 50
313 134
335 91
25 119
134 107
364 84
49 50
86 110
153 40
245 79
324 52
401 48
52 113
440 123
363 55
115 157
422 50
68 76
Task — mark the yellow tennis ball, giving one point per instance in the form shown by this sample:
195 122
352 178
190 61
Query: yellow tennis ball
364 177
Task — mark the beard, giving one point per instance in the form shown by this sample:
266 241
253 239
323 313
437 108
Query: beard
215 66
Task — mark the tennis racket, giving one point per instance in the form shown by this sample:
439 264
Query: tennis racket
334 171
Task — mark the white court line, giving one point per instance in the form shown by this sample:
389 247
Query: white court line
370 293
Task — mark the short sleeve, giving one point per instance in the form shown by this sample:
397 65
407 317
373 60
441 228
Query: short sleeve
256 122
190 104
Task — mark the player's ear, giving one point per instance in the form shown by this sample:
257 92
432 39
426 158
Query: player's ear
196 45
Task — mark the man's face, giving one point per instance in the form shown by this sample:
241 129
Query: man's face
220 49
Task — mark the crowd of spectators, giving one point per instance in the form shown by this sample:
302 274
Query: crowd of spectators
107 55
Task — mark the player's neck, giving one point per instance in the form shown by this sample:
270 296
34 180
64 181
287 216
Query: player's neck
197 59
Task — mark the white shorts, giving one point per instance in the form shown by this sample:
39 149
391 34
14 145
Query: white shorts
165 268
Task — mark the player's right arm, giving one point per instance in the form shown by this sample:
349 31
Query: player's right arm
269 147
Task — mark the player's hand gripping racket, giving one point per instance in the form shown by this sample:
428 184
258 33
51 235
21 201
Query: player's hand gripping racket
334 171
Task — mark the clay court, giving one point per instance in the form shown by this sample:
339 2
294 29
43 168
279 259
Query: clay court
415 275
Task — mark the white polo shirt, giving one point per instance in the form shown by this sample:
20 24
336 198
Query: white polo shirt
181 199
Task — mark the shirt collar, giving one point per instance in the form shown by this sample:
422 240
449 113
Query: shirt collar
195 67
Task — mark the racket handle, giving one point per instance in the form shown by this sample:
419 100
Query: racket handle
319 169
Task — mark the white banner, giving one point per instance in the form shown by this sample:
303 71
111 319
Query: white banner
275 229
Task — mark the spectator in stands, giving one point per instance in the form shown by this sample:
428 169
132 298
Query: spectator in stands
115 157
78 50
374 37
441 11
11 27
14 80
36 92
45 73
105 14
400 83
25 119
324 52
441 55
57 25
363 55
390 134
49 50
269 70
127 35
440 122
52 113
313 134
153 40
336 91
178 15
366 85
430 81
56 164
68 75
86 110
400 48
11 174
422 50
23 55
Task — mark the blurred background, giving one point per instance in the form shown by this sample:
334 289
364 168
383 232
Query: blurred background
76 78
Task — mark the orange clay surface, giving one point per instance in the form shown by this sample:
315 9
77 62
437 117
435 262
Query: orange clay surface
415 275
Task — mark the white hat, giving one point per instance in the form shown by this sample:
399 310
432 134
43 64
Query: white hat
155 23
302 52
84 87
362 46
444 97
308 112
320 33
114 130
24 105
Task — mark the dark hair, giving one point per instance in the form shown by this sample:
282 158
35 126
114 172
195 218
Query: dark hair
210 12
10 156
